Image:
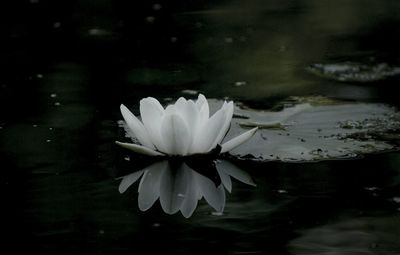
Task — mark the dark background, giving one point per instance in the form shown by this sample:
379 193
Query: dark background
65 66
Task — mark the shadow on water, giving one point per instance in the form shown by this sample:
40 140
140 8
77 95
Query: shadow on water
66 67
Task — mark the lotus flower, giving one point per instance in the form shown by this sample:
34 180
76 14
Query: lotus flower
179 187
182 129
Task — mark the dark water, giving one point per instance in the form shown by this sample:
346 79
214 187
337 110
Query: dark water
67 66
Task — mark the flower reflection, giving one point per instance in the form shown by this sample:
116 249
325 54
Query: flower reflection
179 187
184 128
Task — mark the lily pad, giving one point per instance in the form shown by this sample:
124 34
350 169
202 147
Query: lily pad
307 131
355 72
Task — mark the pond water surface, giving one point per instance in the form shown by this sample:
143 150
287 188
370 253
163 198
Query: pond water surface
67 67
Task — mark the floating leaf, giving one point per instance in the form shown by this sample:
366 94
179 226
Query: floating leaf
309 131
354 72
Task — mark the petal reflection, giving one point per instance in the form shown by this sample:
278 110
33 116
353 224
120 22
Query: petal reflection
149 187
128 180
172 190
180 187
232 170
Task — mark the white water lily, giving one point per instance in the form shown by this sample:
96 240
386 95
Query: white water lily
182 129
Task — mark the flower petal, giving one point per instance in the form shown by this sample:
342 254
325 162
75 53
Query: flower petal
136 127
238 140
203 109
188 111
225 179
214 196
175 133
208 134
139 149
149 187
172 190
189 203
201 100
228 113
152 112
128 180
230 169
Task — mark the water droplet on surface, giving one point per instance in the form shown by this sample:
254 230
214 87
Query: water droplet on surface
39 76
99 32
57 24
282 48
150 19
53 95
396 199
156 225
34 125
101 231
282 191
240 83
121 123
127 158
190 92
57 103
50 128
228 40
157 7
243 38
173 39
48 141
217 213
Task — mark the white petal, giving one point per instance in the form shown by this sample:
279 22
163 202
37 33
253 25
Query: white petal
232 170
222 199
238 140
201 100
172 190
170 109
203 109
208 134
225 179
152 114
188 111
189 203
136 127
139 149
128 180
175 133
228 113
149 187
203 115
214 196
